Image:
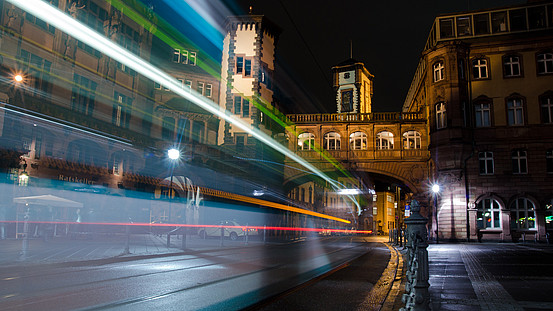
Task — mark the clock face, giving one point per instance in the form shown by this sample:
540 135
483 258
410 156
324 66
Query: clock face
347 77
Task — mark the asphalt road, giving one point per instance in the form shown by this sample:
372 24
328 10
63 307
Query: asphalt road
219 279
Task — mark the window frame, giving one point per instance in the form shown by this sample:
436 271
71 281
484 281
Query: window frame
476 63
240 66
438 71
331 141
515 208
480 113
482 206
514 110
486 163
381 138
310 140
441 115
409 136
547 63
519 161
507 60
358 140
548 106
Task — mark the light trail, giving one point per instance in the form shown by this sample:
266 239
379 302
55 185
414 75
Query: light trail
85 34
172 225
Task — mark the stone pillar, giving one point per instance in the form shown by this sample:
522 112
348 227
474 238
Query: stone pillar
506 225
418 297
472 223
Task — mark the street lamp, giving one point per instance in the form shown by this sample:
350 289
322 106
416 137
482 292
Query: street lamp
18 78
436 190
174 155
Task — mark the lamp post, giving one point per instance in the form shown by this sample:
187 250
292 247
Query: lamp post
436 190
174 155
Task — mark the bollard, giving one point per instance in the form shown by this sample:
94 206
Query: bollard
265 234
183 246
168 239
128 242
222 236
246 234
417 296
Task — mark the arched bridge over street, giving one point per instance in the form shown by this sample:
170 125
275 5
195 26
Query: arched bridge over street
392 144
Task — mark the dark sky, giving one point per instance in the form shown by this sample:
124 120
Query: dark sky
387 36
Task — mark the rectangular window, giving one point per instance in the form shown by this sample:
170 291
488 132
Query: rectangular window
511 66
486 163
438 69
546 104
499 22
121 114
482 24
480 68
515 112
519 163
247 67
245 108
545 63
184 57
200 88
181 82
347 101
446 28
463 26
240 148
208 88
192 59
188 85
441 116
549 160
536 17
157 86
517 19
237 104
483 115
239 64
83 95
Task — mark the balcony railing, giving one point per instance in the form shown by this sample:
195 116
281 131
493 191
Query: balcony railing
356 117
371 154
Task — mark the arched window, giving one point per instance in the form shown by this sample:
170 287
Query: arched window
411 140
331 141
384 140
306 141
310 194
488 215
441 116
523 214
358 141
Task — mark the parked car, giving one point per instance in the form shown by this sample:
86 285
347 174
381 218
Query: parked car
231 229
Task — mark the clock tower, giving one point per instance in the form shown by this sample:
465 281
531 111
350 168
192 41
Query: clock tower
353 86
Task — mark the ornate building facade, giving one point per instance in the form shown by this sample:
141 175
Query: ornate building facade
485 81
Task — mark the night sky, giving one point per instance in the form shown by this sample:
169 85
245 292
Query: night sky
387 36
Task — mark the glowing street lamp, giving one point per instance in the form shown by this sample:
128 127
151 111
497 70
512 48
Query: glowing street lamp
18 78
436 190
174 155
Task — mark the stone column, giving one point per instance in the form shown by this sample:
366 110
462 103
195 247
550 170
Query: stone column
472 223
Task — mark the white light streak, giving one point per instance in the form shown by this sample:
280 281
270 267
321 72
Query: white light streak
83 33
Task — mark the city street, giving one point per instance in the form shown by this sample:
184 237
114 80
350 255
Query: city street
217 278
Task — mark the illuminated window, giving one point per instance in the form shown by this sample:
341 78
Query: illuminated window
411 140
519 162
121 113
549 215
306 141
511 66
384 140
549 160
441 116
358 141
523 215
515 111
192 59
545 63
485 160
488 214
480 68
347 100
546 104
438 69
482 113
331 141
201 88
